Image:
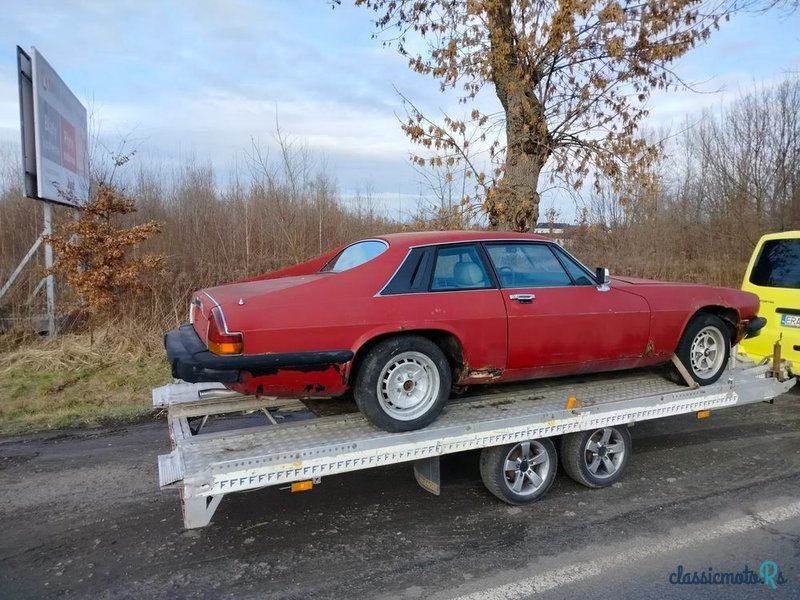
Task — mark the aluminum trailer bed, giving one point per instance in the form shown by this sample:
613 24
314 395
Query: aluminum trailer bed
206 466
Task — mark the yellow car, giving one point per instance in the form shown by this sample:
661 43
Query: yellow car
774 276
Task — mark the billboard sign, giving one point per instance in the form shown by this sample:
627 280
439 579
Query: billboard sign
58 124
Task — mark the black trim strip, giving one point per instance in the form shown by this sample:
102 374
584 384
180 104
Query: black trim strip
787 311
191 360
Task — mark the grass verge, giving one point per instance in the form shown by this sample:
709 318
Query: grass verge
77 380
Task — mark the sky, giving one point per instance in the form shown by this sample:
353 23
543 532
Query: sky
205 80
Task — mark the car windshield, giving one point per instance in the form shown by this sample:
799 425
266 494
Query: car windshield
355 255
778 265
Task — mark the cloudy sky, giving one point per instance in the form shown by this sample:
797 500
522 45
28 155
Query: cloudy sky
203 78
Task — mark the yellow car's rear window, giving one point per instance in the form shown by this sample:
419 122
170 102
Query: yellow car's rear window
778 265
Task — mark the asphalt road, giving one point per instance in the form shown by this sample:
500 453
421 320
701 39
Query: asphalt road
81 516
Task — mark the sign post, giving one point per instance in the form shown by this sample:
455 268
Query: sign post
48 264
55 160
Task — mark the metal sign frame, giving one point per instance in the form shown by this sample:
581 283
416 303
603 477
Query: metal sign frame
31 162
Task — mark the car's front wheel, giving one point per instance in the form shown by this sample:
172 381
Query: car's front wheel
403 383
704 348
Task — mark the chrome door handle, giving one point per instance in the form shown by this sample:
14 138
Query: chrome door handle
523 298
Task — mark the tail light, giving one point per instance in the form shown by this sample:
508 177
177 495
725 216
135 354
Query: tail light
219 340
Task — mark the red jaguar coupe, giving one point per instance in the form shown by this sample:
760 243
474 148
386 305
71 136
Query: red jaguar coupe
400 319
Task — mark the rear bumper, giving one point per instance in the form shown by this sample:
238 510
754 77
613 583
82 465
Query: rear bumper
748 329
753 327
191 361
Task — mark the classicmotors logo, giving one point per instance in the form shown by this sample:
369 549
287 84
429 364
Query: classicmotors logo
767 574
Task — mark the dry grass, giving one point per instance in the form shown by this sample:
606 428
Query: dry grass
77 380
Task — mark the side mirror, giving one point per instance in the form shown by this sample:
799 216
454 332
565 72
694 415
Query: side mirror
602 276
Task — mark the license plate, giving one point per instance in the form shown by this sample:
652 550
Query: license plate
790 320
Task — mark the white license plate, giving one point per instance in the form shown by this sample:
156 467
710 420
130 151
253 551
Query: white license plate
790 320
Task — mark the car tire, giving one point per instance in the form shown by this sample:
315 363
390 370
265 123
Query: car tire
403 383
704 349
519 473
596 458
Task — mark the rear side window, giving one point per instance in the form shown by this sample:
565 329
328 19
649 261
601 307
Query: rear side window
778 265
355 255
459 268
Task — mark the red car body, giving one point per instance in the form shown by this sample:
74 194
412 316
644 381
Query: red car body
303 330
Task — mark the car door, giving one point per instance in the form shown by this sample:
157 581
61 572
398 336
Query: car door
559 319
450 287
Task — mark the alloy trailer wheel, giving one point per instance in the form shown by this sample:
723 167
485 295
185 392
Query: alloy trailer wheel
596 458
519 473
403 383
704 349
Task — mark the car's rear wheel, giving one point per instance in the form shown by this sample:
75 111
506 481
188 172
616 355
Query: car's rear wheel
704 349
403 383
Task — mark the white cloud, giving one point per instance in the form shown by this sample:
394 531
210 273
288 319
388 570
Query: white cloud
204 77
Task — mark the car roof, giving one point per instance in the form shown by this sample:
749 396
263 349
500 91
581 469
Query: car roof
424 238
783 235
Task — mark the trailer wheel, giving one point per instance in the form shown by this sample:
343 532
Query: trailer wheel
596 458
519 473
403 383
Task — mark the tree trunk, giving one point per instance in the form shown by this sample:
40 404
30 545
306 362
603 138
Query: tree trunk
514 202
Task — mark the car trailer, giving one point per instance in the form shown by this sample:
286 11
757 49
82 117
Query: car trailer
514 428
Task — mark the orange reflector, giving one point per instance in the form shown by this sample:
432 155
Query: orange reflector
703 414
225 347
302 486
573 402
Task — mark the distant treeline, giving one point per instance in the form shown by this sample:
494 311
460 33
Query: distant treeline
280 213
727 176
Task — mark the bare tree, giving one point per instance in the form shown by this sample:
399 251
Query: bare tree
746 160
572 78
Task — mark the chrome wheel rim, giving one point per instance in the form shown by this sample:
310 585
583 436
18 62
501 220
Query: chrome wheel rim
604 452
526 467
707 352
408 386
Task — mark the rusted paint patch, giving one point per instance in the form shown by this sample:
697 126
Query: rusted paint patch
648 351
485 373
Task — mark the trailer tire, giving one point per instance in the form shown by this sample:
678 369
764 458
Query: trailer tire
596 458
519 473
403 383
